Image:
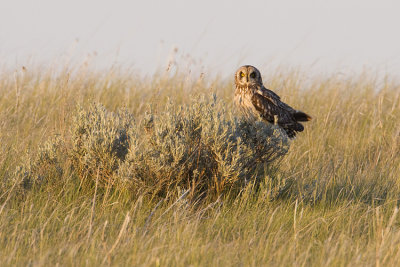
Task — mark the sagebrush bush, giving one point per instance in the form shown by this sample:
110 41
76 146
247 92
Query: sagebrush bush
99 142
47 164
201 147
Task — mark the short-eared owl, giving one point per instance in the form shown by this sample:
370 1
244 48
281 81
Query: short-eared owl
254 100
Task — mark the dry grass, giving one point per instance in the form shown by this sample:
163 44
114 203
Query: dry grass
332 200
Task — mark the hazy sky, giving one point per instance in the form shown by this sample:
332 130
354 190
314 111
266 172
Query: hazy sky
340 35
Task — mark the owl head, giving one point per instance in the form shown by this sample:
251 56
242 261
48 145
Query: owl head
248 75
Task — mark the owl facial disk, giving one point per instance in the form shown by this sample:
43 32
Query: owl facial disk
247 75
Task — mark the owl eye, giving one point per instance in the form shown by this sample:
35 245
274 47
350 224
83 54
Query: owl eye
242 74
253 75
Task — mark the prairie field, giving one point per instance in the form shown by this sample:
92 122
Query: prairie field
109 167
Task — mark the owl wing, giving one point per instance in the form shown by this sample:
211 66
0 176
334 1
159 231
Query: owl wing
274 98
270 105
271 108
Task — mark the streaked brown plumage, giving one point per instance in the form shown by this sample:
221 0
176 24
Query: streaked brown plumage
254 100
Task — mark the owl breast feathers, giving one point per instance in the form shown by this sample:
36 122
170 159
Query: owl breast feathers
255 101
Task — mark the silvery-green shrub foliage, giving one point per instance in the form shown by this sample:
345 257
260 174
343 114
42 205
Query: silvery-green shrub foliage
201 147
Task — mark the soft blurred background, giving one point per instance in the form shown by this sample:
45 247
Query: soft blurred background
210 36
